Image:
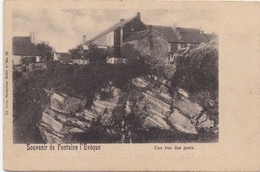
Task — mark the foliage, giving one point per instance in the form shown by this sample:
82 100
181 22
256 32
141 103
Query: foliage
46 52
198 70
93 53
27 60
128 51
29 100
96 54
78 53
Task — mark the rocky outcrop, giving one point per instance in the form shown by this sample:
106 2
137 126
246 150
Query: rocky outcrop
149 99
66 115
167 112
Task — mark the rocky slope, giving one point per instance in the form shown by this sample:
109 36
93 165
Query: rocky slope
148 99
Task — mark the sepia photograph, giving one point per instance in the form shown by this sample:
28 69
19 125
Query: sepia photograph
131 85
114 76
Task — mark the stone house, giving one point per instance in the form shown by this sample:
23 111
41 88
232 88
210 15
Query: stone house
159 42
24 47
116 34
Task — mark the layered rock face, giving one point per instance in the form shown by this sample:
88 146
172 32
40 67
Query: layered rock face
167 112
148 97
66 115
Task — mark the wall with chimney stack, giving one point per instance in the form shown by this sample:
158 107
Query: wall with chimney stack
154 45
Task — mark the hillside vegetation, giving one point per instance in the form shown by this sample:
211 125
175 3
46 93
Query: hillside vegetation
198 74
73 80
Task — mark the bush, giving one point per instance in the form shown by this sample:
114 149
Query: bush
198 70
93 53
96 54
46 52
27 60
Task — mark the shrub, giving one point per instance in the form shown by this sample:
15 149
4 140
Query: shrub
199 70
46 52
27 60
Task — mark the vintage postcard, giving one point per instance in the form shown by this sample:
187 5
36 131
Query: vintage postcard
131 86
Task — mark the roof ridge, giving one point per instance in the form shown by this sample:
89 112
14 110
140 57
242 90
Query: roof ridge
143 33
159 25
111 27
161 34
164 36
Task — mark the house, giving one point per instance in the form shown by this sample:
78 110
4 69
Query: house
80 61
160 42
62 57
24 47
116 34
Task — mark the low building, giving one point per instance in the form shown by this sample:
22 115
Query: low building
114 60
80 61
24 47
62 57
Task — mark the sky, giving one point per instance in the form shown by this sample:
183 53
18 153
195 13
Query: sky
63 29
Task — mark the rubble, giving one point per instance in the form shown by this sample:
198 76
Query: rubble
140 82
205 123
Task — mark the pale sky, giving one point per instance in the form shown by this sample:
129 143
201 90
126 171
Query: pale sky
64 29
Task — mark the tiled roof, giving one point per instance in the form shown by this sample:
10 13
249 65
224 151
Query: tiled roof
191 35
135 36
167 32
24 47
111 29
177 35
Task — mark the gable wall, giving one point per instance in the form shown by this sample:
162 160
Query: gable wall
105 40
154 45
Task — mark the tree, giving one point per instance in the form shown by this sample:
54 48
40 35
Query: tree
78 52
96 54
93 53
27 60
46 52
128 51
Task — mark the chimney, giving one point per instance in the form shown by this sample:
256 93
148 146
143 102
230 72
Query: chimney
201 31
84 39
32 37
121 20
177 30
174 26
138 15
